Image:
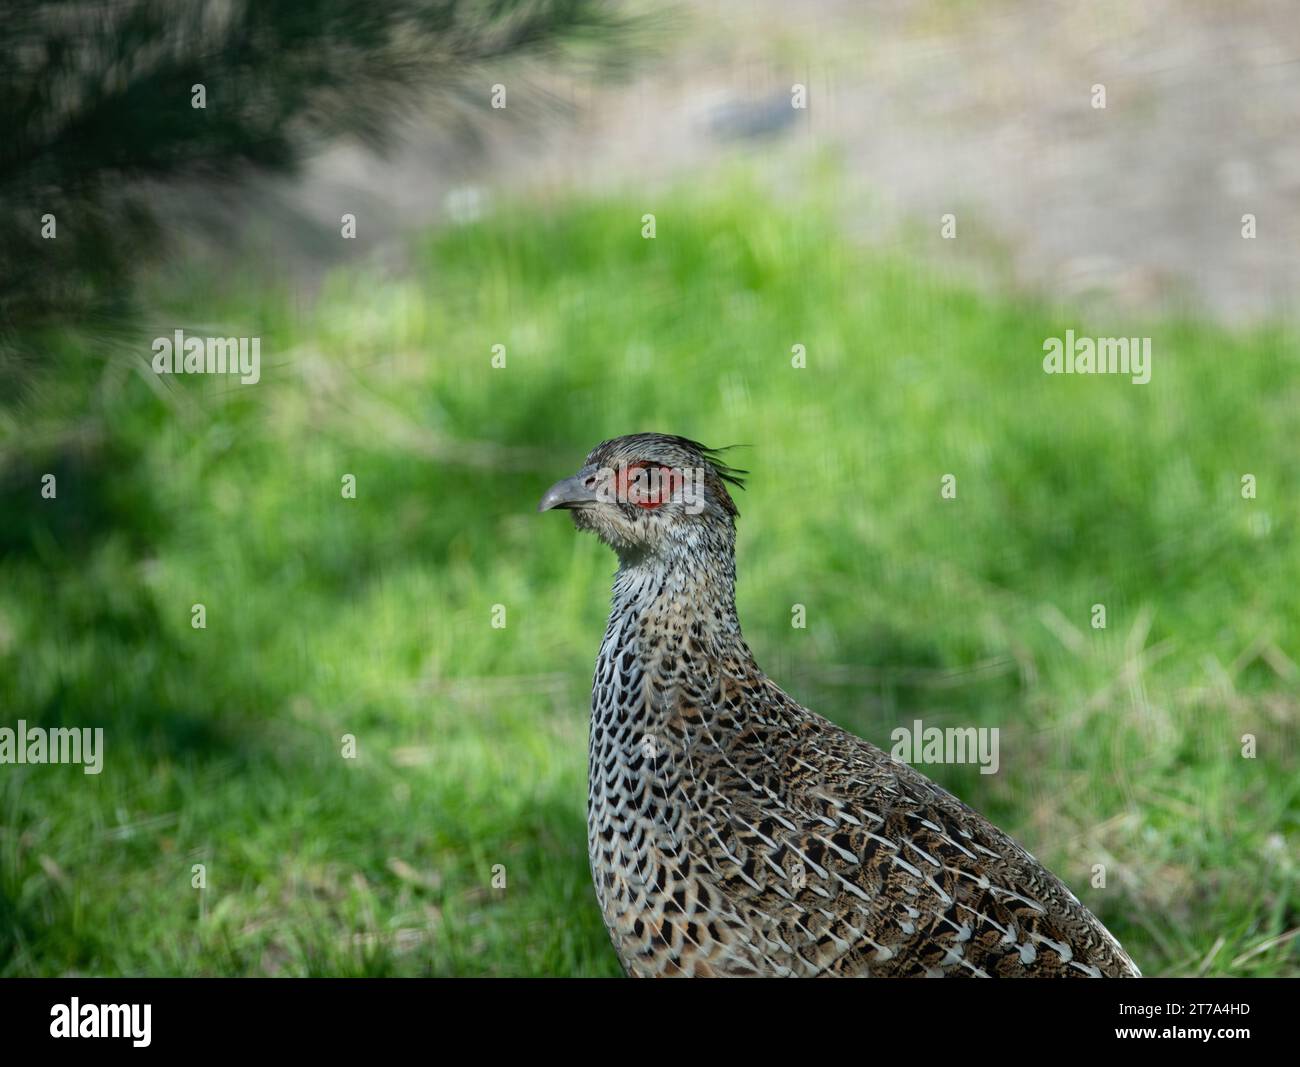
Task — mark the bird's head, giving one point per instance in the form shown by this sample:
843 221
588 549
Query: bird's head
650 493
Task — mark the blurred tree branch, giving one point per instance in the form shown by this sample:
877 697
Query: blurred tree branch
96 104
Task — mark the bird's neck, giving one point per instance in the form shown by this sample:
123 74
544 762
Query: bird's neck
672 595
673 632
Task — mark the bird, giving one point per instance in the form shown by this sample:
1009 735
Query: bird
734 833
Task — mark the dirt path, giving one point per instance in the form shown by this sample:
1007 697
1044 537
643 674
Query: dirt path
979 109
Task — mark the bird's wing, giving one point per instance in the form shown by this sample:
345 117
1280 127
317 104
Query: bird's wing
847 862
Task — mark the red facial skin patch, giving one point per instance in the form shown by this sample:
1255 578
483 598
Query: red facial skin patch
647 485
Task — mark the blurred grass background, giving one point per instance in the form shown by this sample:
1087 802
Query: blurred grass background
328 616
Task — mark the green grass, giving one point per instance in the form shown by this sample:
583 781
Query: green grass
371 617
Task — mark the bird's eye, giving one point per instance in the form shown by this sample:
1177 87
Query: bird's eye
647 485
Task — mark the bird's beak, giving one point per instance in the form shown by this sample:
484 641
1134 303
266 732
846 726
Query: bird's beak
570 493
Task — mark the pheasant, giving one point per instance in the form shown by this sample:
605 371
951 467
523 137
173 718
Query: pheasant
731 831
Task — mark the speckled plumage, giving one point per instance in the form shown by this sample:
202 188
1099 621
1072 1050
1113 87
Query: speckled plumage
733 832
